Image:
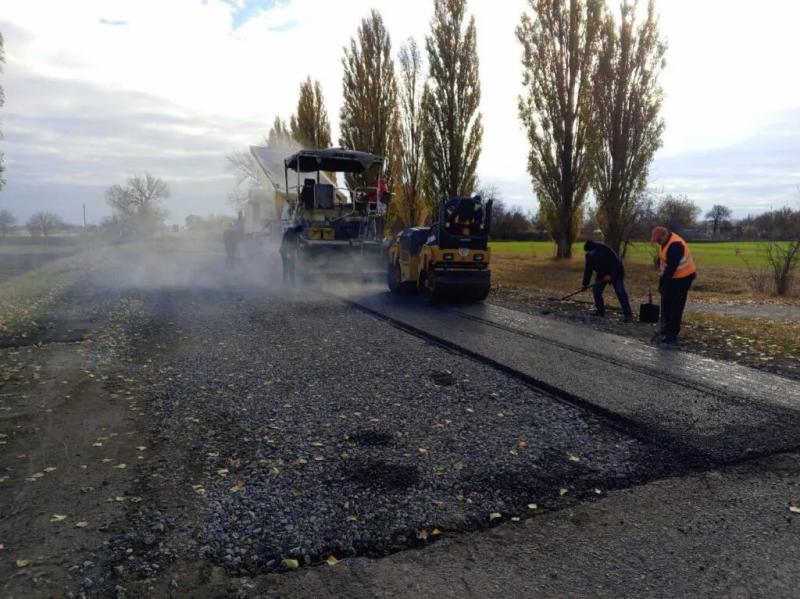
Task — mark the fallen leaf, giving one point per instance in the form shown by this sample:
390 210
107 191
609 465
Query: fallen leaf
50 469
222 472
574 458
23 563
331 561
352 519
533 506
141 447
562 492
515 519
494 516
522 443
422 535
58 518
98 444
238 487
292 564
794 509
37 475
120 466
81 524
436 532
458 465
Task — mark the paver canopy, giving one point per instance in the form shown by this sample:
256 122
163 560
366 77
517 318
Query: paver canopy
332 160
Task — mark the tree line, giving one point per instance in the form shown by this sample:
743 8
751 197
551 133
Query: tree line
591 110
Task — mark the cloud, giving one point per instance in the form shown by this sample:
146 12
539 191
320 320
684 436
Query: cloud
74 139
101 89
758 173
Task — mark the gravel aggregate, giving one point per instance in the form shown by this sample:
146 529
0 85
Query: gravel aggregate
309 429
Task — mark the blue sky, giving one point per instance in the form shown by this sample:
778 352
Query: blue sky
105 89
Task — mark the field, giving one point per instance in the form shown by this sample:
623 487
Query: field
715 254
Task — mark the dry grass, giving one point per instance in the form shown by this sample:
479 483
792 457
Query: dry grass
549 277
756 342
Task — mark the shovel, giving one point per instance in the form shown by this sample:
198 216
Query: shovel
649 312
582 289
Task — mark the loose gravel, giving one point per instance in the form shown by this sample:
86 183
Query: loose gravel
307 429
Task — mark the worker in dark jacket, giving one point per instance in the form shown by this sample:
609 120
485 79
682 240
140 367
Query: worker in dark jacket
230 238
606 264
288 250
678 270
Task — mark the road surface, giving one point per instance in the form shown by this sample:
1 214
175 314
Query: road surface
180 428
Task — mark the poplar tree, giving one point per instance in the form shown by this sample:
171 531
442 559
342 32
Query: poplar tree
408 205
452 122
628 99
311 127
369 108
560 45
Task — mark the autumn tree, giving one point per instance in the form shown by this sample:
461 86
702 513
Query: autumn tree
408 207
279 136
7 221
717 216
139 203
311 127
628 99
560 42
369 108
452 121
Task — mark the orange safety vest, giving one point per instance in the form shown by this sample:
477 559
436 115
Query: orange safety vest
686 266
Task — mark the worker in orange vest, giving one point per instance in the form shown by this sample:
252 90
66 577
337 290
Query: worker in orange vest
677 273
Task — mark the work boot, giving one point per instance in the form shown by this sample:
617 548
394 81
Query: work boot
669 339
599 313
628 318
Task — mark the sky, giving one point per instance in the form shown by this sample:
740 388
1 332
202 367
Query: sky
100 90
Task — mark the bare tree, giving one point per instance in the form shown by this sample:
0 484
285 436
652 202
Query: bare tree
245 171
628 99
717 216
453 124
139 203
783 249
2 101
369 108
408 206
43 223
560 43
311 127
783 258
7 221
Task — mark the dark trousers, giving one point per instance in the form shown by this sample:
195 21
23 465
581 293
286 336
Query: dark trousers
619 289
230 254
673 302
288 268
